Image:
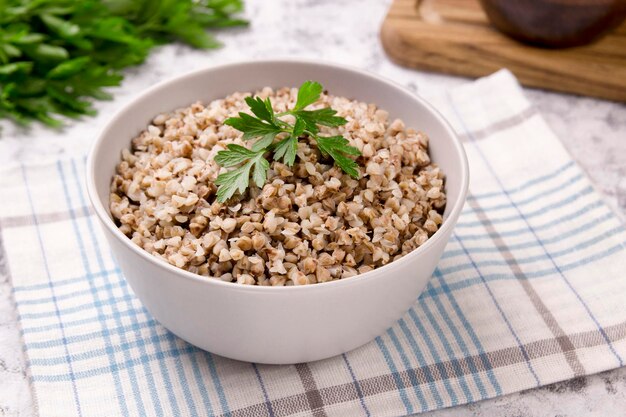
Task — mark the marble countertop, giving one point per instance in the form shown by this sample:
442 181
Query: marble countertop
346 31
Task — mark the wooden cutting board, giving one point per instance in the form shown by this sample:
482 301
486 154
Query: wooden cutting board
454 37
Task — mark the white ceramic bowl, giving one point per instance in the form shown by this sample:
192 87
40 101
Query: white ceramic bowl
276 325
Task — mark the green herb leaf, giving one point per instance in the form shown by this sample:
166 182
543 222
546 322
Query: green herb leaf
235 155
308 94
298 128
65 29
68 68
324 117
69 101
46 52
286 150
27 38
11 51
259 174
233 181
264 142
238 179
16 67
261 109
337 147
251 126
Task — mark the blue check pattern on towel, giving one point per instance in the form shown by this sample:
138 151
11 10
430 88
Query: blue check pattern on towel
531 290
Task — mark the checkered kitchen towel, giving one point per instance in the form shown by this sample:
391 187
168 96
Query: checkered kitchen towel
531 290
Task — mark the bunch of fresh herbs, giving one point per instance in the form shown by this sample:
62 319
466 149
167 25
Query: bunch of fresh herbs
265 126
57 55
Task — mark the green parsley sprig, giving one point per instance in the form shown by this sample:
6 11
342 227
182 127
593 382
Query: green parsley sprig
265 125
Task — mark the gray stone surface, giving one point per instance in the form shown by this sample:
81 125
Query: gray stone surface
594 131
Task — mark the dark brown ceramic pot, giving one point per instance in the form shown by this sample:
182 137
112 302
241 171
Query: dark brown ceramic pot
555 23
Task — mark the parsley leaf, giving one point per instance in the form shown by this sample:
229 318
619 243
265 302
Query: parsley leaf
259 175
325 117
251 126
233 181
286 150
264 142
298 127
261 109
337 147
308 93
235 155
238 179
68 68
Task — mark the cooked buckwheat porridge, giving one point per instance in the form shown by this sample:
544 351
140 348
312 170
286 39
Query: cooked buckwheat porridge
309 223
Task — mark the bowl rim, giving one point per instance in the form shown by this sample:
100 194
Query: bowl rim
103 213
